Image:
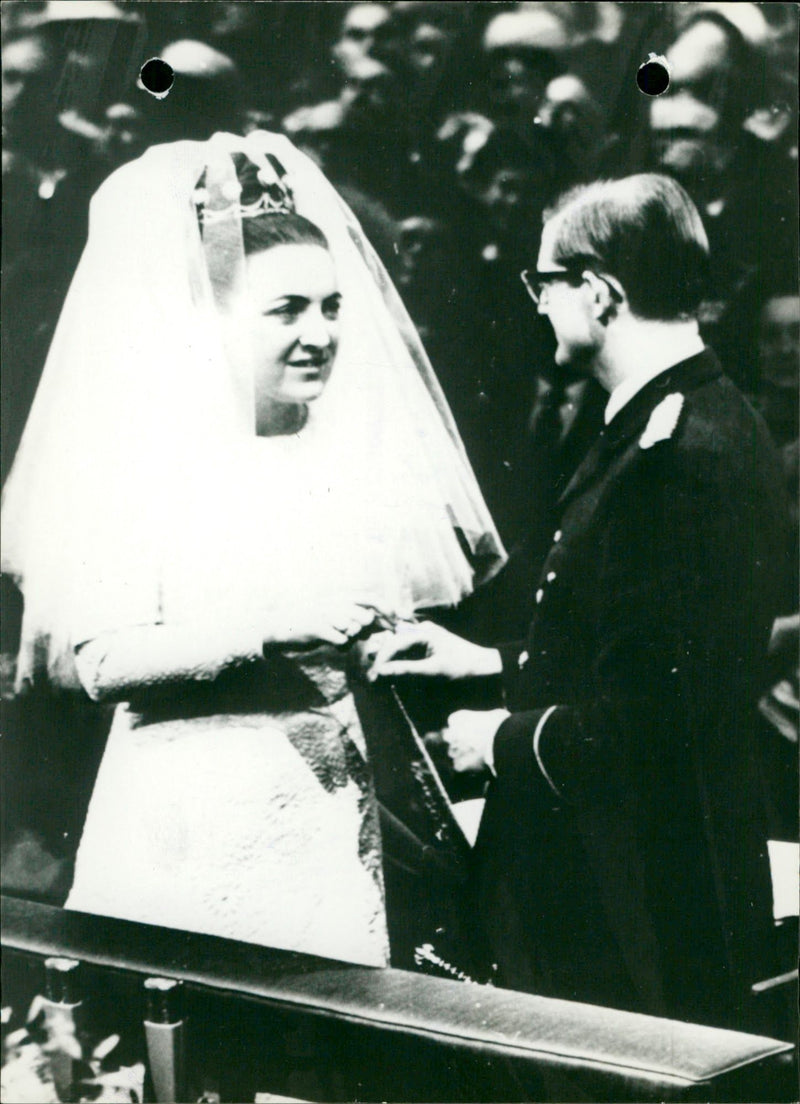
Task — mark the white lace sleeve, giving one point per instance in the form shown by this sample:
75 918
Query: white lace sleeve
116 665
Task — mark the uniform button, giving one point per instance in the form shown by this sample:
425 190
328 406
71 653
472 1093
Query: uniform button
539 596
551 576
523 659
557 536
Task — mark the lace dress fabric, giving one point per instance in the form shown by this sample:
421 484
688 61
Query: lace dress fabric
255 825
234 797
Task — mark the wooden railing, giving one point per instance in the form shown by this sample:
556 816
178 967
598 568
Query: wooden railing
343 1032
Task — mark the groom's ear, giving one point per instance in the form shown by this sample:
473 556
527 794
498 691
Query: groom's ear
608 295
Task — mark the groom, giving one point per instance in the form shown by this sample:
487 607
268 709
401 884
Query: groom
621 859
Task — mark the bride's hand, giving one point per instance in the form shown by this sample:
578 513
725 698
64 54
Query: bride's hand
333 621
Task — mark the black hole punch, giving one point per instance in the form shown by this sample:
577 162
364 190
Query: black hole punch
156 77
653 76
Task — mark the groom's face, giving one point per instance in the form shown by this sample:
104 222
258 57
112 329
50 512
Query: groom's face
567 305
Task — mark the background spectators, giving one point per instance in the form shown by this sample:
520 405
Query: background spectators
449 126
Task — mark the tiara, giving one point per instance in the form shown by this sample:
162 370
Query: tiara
275 199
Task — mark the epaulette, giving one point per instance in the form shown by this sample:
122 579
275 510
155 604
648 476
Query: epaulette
663 420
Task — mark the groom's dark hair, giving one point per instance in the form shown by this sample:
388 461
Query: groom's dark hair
645 231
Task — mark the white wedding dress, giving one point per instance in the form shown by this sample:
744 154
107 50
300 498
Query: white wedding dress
153 535
239 802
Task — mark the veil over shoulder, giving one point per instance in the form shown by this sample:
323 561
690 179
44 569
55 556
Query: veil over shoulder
139 461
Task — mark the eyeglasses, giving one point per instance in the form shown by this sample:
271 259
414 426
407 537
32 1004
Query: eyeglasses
535 281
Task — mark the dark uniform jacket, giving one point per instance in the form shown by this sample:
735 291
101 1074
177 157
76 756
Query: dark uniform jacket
621 858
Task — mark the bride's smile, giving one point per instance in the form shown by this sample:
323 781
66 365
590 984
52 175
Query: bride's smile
296 294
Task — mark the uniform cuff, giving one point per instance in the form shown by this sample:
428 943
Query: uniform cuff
516 761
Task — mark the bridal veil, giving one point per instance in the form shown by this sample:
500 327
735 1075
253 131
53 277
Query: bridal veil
142 430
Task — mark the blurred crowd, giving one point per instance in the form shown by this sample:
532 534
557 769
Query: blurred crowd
449 127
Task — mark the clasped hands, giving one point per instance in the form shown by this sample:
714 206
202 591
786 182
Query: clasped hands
423 649
429 650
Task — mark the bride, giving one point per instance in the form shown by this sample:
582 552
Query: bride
238 463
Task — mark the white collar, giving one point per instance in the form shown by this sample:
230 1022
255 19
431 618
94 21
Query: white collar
624 392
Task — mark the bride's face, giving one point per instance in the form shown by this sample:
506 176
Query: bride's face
297 299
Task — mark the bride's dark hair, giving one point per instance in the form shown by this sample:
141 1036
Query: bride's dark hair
266 231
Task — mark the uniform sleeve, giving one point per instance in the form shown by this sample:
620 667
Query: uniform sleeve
513 657
517 750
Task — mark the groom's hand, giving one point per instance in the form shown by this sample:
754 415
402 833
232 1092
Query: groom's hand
431 651
469 736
